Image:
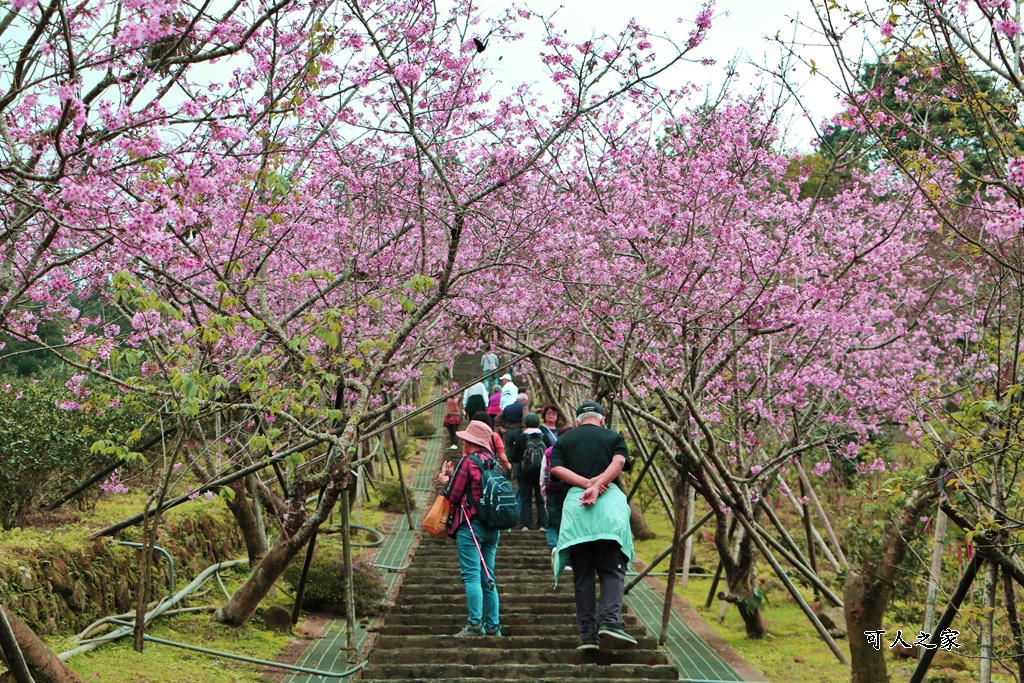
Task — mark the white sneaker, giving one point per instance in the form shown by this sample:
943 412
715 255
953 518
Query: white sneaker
453 447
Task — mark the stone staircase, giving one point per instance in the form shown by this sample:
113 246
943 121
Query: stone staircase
539 637
465 367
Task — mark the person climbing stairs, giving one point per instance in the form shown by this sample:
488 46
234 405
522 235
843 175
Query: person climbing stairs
538 641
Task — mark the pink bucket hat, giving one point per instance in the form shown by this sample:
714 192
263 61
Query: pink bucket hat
477 433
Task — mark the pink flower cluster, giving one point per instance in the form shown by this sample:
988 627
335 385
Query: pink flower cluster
113 484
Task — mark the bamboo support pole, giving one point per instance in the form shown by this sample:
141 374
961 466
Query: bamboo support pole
934 570
813 578
781 573
718 572
962 587
689 498
350 599
777 523
714 586
822 545
643 472
301 588
648 455
650 567
809 534
681 490
816 504
401 477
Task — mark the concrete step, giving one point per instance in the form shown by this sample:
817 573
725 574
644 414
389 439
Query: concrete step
480 656
416 640
533 589
507 641
548 679
509 617
543 608
566 628
536 672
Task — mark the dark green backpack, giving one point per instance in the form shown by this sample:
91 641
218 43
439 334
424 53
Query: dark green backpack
497 507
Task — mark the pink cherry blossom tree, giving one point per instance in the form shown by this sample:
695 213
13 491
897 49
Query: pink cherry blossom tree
307 248
745 327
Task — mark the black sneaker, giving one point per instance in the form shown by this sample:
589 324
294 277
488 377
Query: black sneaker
616 636
589 644
495 631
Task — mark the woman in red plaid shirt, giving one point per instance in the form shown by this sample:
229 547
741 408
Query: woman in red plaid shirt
475 543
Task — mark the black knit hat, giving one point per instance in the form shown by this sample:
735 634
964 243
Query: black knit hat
590 407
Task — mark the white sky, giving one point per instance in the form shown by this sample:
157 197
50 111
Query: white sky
743 29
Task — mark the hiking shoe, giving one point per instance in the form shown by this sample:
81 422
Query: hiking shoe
495 631
617 636
589 644
472 631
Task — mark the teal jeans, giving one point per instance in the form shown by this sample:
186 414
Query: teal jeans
481 593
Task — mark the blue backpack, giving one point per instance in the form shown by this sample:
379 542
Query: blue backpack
498 507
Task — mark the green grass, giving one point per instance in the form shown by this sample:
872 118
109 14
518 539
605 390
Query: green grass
119 663
791 634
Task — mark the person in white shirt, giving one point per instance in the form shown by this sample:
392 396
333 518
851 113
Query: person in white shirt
474 399
489 364
509 391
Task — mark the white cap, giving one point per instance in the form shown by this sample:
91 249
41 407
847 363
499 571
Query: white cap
504 377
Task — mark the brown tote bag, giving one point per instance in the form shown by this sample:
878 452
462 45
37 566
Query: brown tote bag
436 521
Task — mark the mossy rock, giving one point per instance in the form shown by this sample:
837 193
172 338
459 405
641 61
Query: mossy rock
391 498
947 659
421 426
276 618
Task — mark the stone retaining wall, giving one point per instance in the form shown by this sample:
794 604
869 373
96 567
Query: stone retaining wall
55 587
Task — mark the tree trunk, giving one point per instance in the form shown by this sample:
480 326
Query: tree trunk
741 593
42 663
638 525
242 605
867 588
741 578
865 598
247 522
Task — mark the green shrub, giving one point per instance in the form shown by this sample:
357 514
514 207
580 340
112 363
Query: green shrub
391 499
325 582
421 426
44 448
